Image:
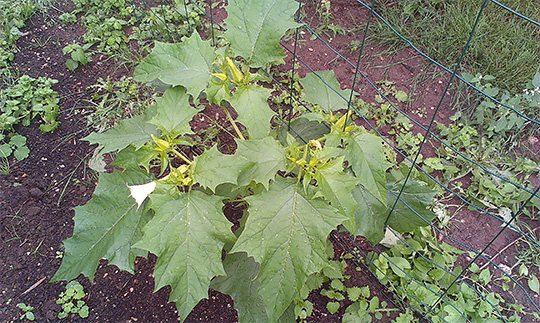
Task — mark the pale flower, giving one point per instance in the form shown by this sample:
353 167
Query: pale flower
140 192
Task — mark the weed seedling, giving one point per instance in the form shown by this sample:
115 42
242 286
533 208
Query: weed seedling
27 312
71 300
68 18
78 55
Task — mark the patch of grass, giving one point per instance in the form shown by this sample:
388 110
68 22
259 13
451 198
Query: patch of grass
504 45
116 100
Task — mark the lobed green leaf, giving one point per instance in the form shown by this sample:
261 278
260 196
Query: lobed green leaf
135 131
187 64
254 28
286 233
213 168
253 110
417 197
173 112
319 87
267 156
187 234
107 226
366 156
241 284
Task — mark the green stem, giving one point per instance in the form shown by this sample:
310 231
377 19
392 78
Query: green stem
177 153
231 120
304 158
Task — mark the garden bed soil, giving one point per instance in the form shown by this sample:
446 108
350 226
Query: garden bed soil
37 197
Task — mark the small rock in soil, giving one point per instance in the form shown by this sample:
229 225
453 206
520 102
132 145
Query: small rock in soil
36 192
21 192
32 211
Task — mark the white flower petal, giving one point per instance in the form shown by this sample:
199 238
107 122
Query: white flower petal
140 192
390 238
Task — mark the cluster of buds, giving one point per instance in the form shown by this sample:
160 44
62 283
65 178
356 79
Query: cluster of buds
229 72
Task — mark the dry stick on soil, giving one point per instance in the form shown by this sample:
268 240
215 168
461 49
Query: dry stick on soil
501 251
33 286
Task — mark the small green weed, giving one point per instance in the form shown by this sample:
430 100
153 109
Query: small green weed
27 312
71 301
78 55
12 18
68 18
16 145
327 25
116 100
403 261
486 135
361 308
107 23
20 102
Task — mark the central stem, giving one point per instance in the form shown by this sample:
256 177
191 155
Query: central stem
304 158
177 153
231 120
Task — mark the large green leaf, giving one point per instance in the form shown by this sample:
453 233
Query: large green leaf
241 285
336 187
267 155
254 28
187 64
366 155
417 197
303 129
130 157
253 110
212 168
370 214
286 233
187 234
135 131
320 93
105 227
174 112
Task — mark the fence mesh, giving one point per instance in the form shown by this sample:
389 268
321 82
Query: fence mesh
512 225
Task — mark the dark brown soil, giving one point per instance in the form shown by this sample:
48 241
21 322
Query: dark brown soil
38 195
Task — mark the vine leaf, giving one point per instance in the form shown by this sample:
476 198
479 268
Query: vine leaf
212 168
286 233
267 155
254 28
366 155
187 234
187 64
253 110
417 197
105 227
135 131
370 214
241 285
174 112
336 187
320 93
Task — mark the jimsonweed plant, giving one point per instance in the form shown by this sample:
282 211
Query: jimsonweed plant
298 183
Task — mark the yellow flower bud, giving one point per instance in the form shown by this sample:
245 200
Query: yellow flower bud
236 74
315 143
161 144
221 76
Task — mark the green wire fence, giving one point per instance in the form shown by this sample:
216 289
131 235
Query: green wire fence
394 293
